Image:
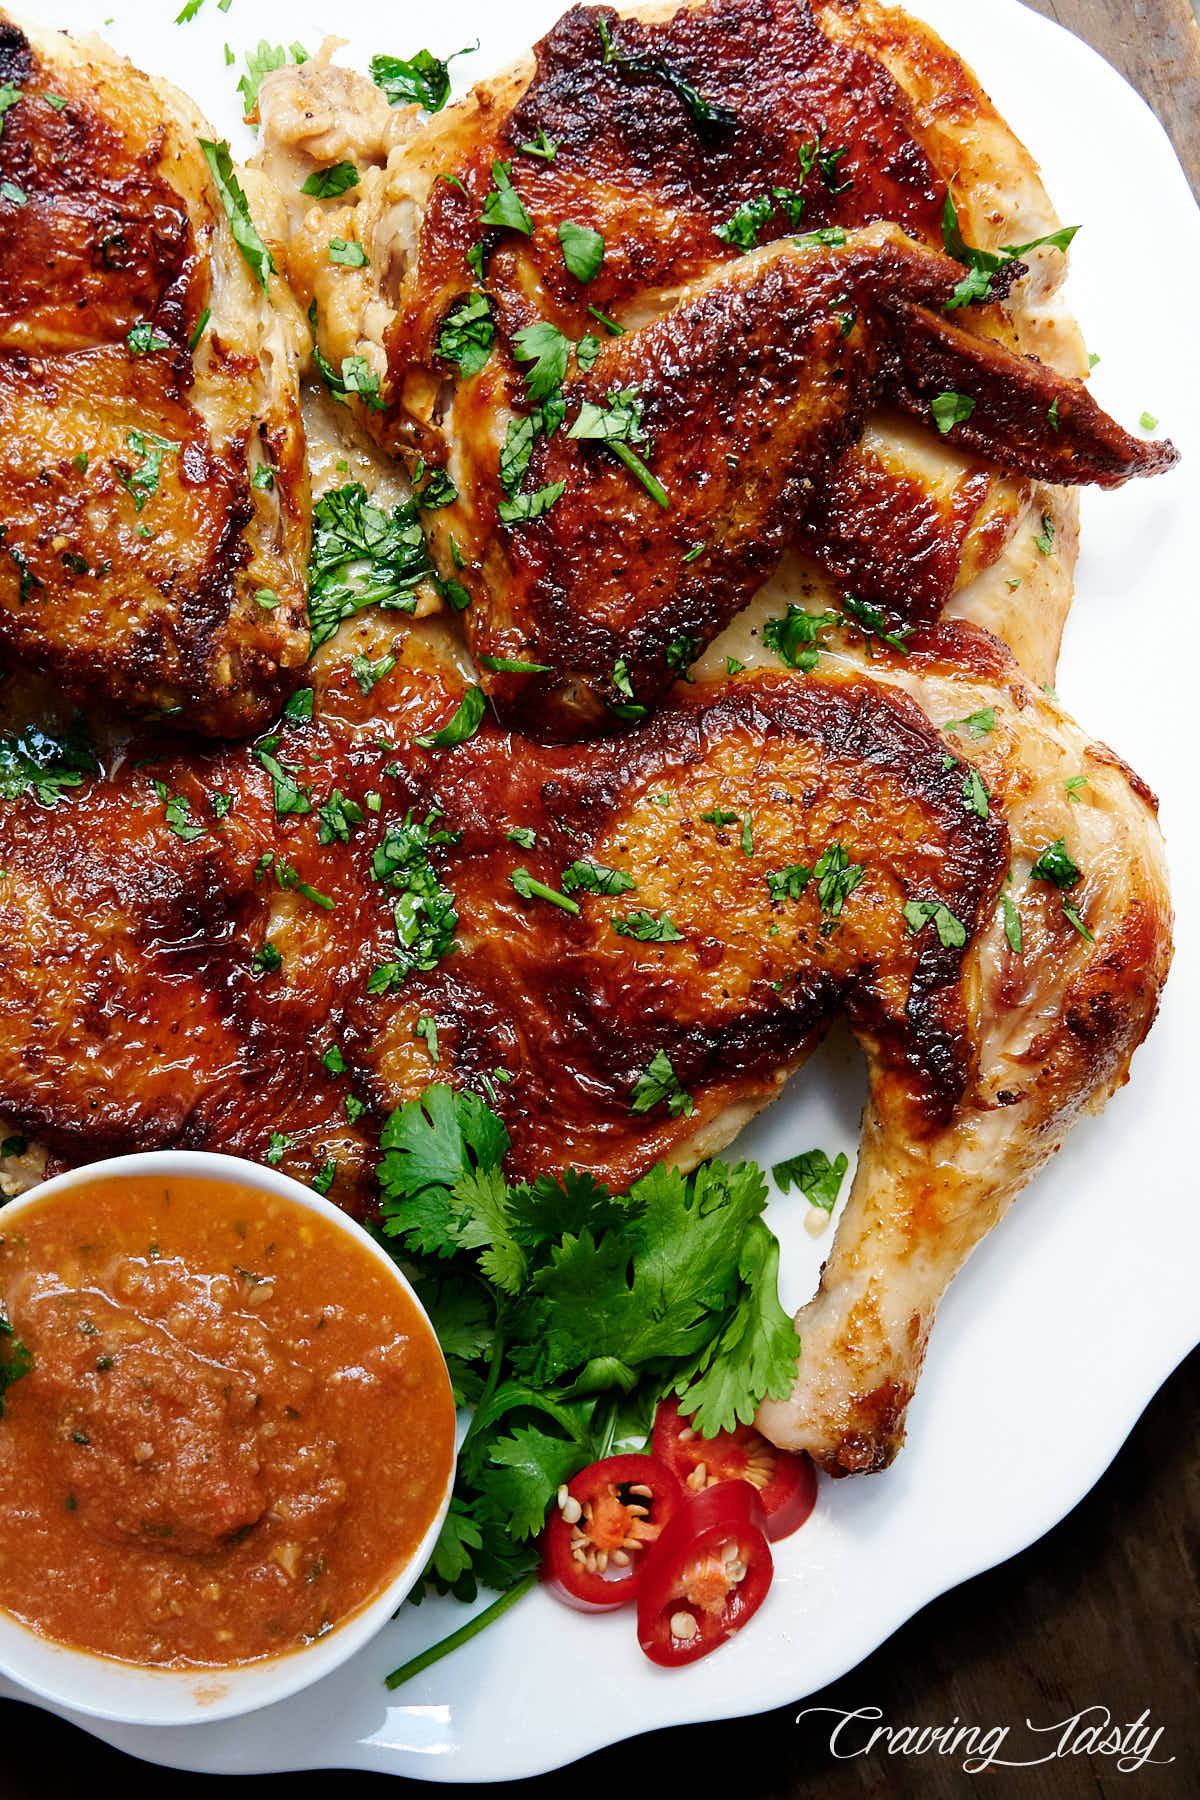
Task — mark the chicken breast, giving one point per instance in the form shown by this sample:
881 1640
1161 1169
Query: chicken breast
152 478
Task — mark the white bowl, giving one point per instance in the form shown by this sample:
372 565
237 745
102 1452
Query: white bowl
139 1695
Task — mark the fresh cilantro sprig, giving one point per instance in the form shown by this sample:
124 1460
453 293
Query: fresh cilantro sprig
362 556
566 1312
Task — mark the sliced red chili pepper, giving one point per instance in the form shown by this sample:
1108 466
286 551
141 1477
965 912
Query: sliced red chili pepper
707 1575
786 1484
607 1516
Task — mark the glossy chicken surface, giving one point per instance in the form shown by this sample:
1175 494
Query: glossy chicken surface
753 374
186 962
153 488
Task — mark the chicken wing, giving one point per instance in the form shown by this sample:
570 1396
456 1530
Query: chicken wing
152 475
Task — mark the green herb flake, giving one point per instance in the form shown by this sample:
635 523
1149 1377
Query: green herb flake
817 1178
952 933
423 80
257 257
582 248
466 720
326 184
951 409
659 1082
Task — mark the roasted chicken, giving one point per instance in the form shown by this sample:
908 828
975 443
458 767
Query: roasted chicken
153 487
627 945
617 187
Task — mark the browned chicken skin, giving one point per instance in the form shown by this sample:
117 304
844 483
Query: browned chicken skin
164 989
152 479
749 389
754 374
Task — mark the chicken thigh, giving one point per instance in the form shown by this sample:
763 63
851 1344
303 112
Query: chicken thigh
152 477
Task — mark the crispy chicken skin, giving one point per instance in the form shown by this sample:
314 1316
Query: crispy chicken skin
139 555
720 376
750 386
141 1008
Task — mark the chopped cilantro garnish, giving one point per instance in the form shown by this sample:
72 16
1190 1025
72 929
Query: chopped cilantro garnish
837 878
659 1082
423 80
975 795
582 248
951 931
595 878
468 715
530 888
709 116
545 346
142 339
619 425
237 210
522 507
467 333
326 184
43 764
426 1028
362 556
503 206
16 1359
788 883
425 915
1045 538
1054 864
266 959
818 1179
648 928
347 253
951 409
795 636
263 60
978 724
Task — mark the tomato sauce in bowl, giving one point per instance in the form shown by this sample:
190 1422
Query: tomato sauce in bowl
230 1426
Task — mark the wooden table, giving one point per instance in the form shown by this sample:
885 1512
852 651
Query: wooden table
1102 1612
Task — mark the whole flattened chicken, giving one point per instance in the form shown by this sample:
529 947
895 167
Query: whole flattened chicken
153 485
187 942
621 186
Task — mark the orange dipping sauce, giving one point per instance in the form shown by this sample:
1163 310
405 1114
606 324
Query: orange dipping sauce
235 1430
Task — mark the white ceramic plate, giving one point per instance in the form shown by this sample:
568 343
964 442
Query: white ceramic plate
1071 1315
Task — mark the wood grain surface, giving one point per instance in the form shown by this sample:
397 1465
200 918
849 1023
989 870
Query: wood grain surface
1101 1613
1156 45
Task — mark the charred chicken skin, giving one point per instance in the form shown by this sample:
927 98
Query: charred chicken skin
629 945
152 478
741 378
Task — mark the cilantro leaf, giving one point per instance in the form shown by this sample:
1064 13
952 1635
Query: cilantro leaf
423 80
950 409
1054 864
524 1472
503 206
257 257
326 184
16 1359
467 333
788 883
757 1353
818 1179
362 556
259 62
795 636
545 346
468 716
658 1082
582 248
43 766
648 929
595 878
952 933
